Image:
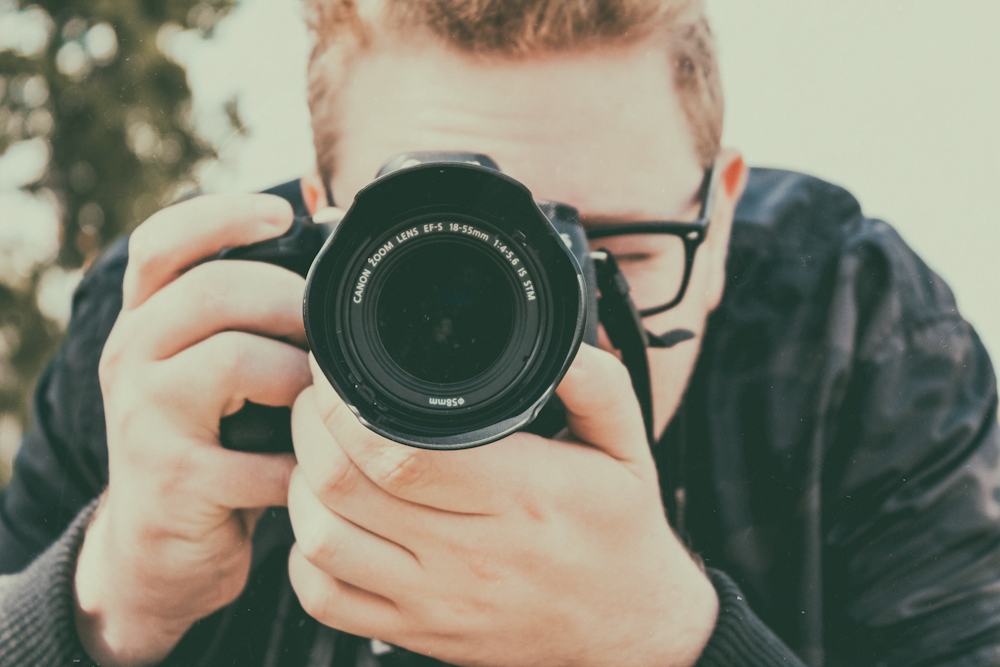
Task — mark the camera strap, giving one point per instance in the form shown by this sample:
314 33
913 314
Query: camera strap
623 325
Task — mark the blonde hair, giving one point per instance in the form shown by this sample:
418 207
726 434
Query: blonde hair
517 29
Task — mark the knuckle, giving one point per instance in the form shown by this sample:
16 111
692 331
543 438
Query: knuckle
483 563
535 507
108 366
176 473
126 403
141 249
398 467
339 478
124 421
337 417
114 352
318 544
319 601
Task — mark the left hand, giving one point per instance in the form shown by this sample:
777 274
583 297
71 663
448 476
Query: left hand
527 551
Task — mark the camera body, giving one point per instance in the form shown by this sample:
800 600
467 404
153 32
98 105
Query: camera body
444 308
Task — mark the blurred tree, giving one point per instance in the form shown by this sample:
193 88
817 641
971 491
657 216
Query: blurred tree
88 92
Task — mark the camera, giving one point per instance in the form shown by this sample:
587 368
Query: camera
444 308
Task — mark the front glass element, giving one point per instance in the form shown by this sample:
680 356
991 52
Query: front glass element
445 314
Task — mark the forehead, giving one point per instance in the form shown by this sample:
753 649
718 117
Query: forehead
601 129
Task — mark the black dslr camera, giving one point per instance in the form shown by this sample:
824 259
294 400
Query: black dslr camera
444 308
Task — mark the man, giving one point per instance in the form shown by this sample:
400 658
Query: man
832 426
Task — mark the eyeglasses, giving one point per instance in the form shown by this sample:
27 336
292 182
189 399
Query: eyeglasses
656 257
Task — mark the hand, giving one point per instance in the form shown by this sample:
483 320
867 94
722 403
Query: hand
526 551
170 542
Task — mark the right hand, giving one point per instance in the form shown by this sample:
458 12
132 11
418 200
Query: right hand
170 542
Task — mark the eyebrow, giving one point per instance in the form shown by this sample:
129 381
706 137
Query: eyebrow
606 219
694 202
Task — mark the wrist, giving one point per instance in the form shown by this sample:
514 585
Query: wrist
701 615
688 611
124 616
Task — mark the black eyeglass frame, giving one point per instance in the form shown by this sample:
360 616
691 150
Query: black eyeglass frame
691 233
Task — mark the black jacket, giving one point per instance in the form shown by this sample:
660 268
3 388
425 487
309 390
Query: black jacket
837 456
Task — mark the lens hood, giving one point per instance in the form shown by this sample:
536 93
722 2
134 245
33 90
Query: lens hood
445 308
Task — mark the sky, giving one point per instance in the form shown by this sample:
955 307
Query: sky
898 102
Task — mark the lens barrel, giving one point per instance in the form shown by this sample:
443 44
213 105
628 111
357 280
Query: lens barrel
445 308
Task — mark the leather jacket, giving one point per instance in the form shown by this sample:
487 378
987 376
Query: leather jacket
836 455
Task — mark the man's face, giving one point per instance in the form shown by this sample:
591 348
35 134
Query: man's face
600 130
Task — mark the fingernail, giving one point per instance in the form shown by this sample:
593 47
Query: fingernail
328 215
272 209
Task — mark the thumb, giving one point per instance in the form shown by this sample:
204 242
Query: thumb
601 408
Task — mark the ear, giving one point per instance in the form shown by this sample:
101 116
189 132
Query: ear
313 191
732 182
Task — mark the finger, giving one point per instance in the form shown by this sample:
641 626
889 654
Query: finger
329 215
343 549
340 485
240 480
178 237
483 480
601 408
233 367
218 296
340 605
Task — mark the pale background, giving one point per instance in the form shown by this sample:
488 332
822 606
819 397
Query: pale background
898 102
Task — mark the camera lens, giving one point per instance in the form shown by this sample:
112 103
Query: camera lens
445 307
445 314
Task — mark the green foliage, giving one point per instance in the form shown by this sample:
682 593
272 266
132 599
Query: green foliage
114 111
